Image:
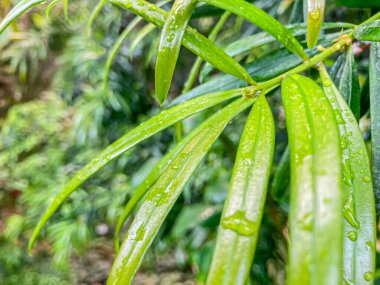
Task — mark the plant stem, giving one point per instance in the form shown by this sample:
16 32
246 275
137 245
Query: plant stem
337 46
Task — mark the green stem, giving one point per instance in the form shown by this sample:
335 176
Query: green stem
312 62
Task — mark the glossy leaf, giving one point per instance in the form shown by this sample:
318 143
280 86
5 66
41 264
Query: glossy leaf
263 20
119 42
170 45
315 218
368 32
243 209
245 44
152 177
315 12
374 81
345 75
142 132
358 209
281 178
198 62
165 192
18 10
192 40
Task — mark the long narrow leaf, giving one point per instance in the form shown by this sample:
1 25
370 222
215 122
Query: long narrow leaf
170 45
359 209
374 74
243 209
142 132
51 6
152 177
262 20
119 42
315 12
245 44
192 40
165 192
17 10
368 32
345 75
315 218
94 14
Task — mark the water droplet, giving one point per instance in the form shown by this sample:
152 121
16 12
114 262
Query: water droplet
239 224
352 235
347 173
367 179
369 245
349 212
368 276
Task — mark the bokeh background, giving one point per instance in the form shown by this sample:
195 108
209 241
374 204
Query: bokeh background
55 116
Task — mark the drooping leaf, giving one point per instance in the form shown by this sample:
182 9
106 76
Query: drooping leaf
192 40
142 132
368 32
281 178
263 20
198 62
243 209
165 192
119 42
359 208
315 218
51 5
152 177
170 45
66 9
315 12
374 81
94 14
345 75
18 10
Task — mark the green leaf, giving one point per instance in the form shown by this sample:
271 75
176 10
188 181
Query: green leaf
244 45
345 75
315 12
94 14
374 81
165 192
192 40
263 20
315 218
152 177
243 209
281 178
359 209
368 32
51 6
119 42
18 10
198 62
170 45
142 132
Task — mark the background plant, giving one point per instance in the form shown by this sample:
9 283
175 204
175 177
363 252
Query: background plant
94 107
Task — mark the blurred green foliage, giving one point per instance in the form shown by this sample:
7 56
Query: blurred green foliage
56 117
